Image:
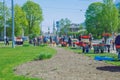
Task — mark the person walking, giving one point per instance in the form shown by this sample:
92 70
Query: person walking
108 44
90 40
38 41
7 41
69 41
34 41
79 38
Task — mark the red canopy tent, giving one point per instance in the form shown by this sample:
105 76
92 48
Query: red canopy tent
85 37
107 34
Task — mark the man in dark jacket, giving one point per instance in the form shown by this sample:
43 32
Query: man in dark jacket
7 41
117 40
117 44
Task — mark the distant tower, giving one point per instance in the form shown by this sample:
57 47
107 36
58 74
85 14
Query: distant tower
54 30
58 26
48 30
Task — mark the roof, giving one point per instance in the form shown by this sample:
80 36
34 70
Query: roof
74 25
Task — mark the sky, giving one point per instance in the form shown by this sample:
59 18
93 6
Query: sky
54 10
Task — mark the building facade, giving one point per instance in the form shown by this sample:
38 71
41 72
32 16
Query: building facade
74 27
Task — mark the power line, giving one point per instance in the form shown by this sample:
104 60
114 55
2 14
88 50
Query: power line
69 12
89 0
62 8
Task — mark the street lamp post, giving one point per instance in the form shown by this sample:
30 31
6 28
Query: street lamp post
13 40
4 14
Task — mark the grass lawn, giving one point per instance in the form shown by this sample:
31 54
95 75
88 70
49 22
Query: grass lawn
92 55
12 57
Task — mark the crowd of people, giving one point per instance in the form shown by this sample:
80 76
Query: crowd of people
51 40
44 40
112 42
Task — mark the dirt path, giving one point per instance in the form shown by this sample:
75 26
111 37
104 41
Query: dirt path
66 65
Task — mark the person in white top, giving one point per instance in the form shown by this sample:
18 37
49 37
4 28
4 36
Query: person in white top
108 44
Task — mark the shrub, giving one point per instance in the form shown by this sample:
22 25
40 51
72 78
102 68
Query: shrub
43 56
43 45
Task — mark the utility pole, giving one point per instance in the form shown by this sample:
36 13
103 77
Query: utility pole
13 40
4 14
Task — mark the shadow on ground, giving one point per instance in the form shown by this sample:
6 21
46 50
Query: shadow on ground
109 68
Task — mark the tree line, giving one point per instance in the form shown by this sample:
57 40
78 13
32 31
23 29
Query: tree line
103 18
28 18
100 17
64 28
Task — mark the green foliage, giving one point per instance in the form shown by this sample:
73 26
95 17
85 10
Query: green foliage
76 49
108 2
31 36
93 22
43 45
36 29
64 26
109 17
20 20
1 15
26 45
102 17
27 19
73 33
3 11
118 7
34 16
10 58
81 26
43 56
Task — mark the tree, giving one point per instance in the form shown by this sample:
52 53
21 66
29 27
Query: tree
109 16
20 21
118 7
102 17
1 17
93 22
34 16
2 11
64 25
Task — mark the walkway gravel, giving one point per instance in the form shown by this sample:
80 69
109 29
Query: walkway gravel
67 65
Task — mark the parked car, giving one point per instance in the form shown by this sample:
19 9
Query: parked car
18 40
74 41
